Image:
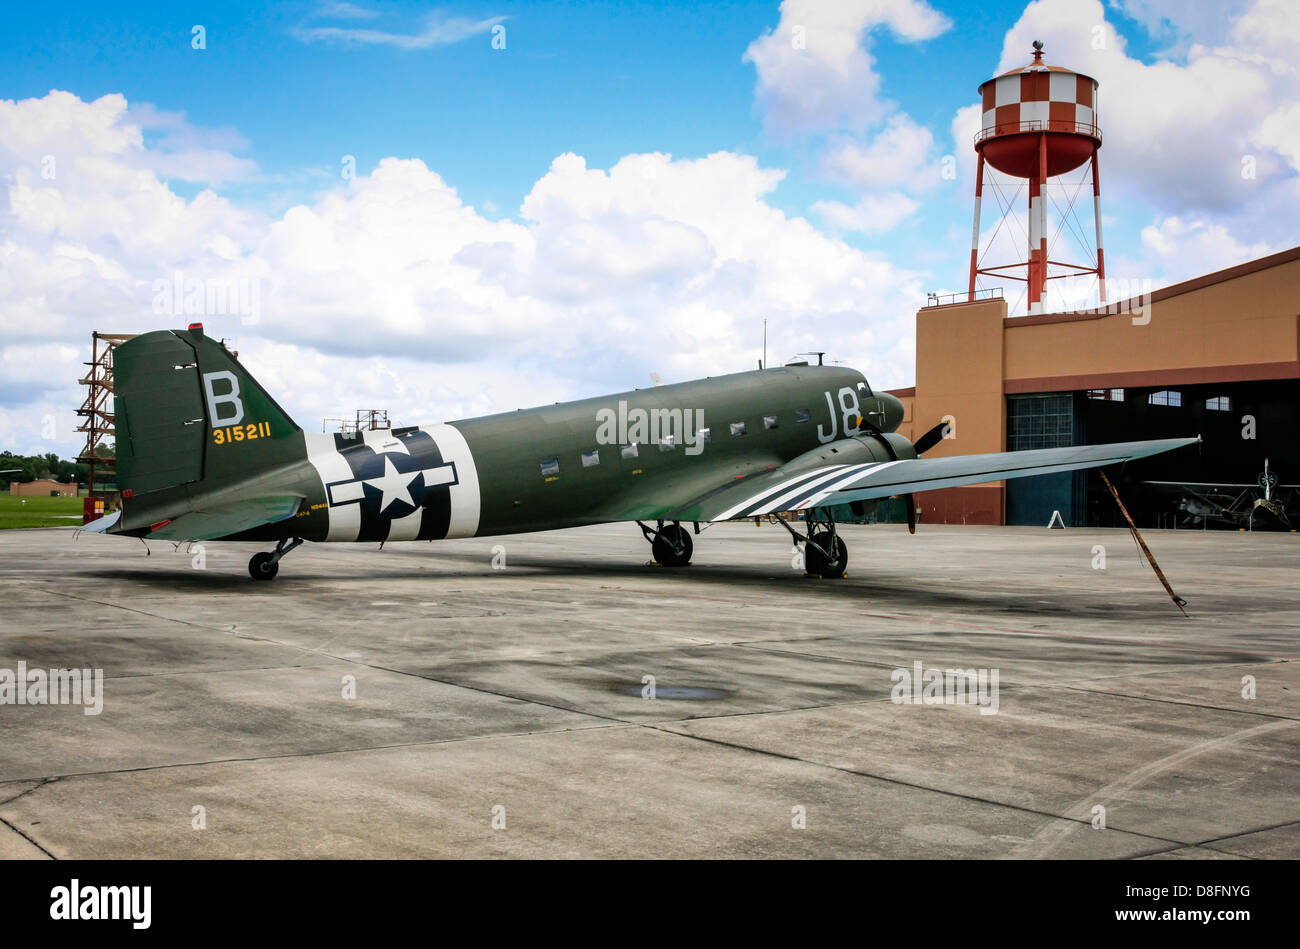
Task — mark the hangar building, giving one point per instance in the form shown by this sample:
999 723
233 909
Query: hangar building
1217 356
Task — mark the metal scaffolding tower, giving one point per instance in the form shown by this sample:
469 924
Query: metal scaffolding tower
97 410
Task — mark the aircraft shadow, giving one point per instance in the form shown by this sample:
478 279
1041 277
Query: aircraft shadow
882 591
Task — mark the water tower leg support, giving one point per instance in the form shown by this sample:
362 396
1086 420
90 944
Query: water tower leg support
975 233
1037 269
1096 213
1041 293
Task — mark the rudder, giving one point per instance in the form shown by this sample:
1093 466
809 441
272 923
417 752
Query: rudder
186 411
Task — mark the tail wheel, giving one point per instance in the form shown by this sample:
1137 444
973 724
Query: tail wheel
818 564
263 567
672 546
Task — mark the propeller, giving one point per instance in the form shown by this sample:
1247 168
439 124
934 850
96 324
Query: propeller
930 439
920 446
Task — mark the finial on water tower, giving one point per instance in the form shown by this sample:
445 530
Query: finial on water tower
1038 51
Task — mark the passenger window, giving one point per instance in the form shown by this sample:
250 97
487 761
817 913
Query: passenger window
628 451
591 459
550 466
738 428
802 415
769 421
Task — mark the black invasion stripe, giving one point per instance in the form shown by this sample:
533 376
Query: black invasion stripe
356 454
373 527
436 515
853 473
712 492
344 442
772 495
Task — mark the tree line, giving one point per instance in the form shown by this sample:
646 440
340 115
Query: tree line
36 467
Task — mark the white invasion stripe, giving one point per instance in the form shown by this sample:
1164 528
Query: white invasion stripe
802 478
832 488
778 504
465 499
344 521
736 509
850 474
382 439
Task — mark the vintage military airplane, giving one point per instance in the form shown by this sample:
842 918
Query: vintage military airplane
1264 503
204 453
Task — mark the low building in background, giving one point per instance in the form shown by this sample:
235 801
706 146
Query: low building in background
42 488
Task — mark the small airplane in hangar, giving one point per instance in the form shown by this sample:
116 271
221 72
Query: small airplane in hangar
204 453
1266 502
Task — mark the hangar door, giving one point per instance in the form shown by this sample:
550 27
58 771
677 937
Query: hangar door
1047 420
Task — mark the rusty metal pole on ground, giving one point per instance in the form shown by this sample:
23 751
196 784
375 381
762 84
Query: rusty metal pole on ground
1178 600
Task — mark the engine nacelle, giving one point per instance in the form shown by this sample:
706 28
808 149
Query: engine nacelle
855 450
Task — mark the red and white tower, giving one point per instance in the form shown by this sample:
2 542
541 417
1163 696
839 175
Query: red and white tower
1038 122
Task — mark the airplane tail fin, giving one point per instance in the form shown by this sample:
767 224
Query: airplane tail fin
188 416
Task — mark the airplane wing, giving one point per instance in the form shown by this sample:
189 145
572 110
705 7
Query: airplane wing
211 523
828 485
1213 484
1200 484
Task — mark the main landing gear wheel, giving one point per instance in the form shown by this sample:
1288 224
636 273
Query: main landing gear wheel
832 563
672 546
263 566
266 565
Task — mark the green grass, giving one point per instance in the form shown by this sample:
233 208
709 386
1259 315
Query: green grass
39 512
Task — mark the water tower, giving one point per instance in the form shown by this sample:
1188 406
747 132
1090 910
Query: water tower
1038 122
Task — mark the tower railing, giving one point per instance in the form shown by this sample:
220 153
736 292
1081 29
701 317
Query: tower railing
1038 125
947 299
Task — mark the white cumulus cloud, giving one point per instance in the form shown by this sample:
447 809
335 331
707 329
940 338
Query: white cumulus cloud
815 69
390 291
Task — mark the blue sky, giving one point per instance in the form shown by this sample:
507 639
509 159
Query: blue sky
468 240
600 80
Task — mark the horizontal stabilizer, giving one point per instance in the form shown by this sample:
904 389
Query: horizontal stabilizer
223 521
102 525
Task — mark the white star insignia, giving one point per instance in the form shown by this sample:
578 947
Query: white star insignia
394 485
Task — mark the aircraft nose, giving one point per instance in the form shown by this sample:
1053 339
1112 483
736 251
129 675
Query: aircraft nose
892 407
